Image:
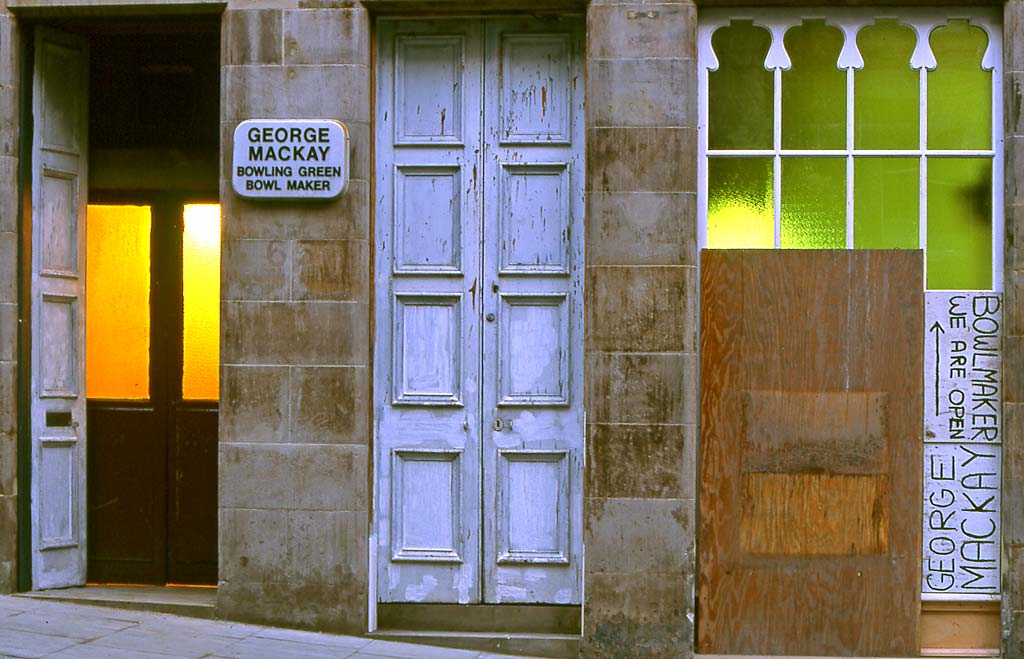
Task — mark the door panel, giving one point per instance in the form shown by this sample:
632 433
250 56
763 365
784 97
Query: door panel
427 291
479 417
126 511
192 508
532 350
58 293
810 452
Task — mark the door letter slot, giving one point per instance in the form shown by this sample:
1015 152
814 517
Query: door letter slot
58 420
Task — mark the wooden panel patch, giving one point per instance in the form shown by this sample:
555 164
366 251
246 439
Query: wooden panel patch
810 474
842 432
795 514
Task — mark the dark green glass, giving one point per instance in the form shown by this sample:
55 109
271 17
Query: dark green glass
814 203
886 91
960 223
740 92
814 89
959 90
740 203
886 197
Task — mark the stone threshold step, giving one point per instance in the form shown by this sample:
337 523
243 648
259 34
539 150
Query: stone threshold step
555 646
176 600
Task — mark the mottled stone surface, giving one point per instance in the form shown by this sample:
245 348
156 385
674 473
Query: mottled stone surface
641 313
295 423
1013 338
9 221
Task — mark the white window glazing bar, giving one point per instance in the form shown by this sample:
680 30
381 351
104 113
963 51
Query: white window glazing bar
849 155
850 21
922 183
777 159
869 153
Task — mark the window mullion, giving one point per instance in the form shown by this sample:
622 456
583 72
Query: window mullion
777 160
922 204
849 154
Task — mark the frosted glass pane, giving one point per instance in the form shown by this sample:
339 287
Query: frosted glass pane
740 203
741 49
814 203
959 90
886 91
959 223
814 89
885 207
117 302
201 299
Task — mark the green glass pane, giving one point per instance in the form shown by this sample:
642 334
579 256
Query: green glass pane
814 203
885 203
959 90
959 223
814 89
740 203
886 91
740 92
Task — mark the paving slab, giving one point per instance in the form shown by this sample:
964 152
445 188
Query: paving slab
59 629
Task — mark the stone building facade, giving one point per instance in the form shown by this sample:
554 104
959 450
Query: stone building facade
295 457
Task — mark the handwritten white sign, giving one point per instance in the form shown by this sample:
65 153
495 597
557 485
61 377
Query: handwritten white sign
961 519
963 368
963 444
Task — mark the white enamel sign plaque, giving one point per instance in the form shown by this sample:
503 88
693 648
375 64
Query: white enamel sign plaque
963 444
290 159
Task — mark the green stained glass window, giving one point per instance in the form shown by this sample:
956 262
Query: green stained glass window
740 203
740 92
814 203
814 89
820 184
886 91
959 90
959 223
886 195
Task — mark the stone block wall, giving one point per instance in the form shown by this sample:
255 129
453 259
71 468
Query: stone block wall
1013 340
295 346
9 83
641 314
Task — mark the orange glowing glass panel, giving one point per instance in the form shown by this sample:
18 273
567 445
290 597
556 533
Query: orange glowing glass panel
201 298
117 302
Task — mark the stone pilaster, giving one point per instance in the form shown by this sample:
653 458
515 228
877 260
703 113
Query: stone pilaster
1013 340
641 317
9 222
296 390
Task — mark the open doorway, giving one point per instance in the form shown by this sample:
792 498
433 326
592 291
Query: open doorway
149 241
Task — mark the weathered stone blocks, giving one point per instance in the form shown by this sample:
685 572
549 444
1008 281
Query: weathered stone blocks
331 270
326 36
642 309
293 476
254 403
252 37
330 404
641 228
641 461
646 159
256 269
641 388
640 29
333 333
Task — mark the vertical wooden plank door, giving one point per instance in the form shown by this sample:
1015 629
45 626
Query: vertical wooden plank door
478 400
58 422
810 478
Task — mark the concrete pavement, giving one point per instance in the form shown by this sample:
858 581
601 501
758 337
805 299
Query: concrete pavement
33 628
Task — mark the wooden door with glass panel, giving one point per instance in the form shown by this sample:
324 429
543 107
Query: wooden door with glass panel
152 386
